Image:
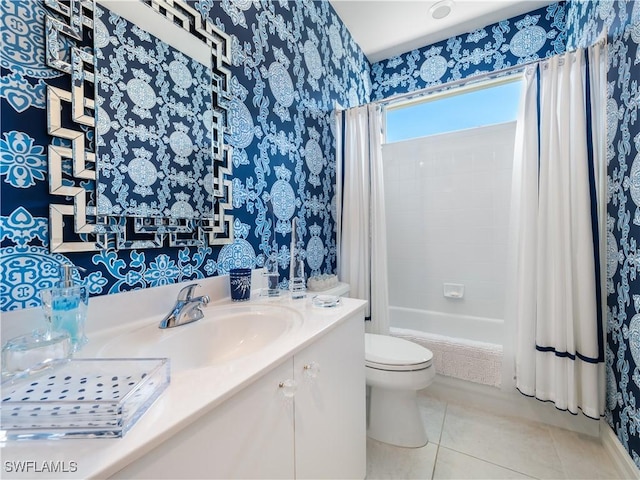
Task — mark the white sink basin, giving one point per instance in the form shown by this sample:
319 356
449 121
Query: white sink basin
224 334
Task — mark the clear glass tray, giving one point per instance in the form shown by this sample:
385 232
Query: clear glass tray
81 398
325 301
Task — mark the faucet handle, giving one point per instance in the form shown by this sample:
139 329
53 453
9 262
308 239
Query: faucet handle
186 293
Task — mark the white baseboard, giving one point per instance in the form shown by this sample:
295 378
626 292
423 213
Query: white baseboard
621 459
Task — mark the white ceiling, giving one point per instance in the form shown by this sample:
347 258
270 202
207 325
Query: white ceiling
384 28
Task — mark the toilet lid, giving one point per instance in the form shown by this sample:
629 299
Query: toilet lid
391 353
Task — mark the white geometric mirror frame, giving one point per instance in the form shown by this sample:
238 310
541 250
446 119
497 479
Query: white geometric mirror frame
75 227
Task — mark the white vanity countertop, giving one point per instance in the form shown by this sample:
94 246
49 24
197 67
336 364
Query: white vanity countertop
191 394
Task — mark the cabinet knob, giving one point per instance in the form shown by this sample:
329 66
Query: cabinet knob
311 370
288 388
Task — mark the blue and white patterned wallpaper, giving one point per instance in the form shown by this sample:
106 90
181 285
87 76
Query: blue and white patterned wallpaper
522 39
585 22
291 63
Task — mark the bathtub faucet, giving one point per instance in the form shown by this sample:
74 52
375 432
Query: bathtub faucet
187 308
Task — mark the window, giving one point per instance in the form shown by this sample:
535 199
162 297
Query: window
457 109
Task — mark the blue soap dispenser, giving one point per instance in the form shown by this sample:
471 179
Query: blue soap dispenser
68 306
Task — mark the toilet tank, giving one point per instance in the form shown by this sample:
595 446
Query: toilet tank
341 290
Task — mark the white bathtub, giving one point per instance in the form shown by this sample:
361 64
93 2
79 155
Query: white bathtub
464 347
477 329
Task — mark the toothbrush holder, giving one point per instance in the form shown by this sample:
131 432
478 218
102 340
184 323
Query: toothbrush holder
240 284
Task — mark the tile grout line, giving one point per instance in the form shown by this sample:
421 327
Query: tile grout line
555 449
491 463
444 416
435 461
446 408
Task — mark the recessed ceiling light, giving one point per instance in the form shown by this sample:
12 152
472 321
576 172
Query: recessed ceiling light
441 9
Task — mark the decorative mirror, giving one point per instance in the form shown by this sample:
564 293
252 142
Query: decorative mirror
138 157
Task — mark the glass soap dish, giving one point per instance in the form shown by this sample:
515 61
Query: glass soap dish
325 301
81 398
33 351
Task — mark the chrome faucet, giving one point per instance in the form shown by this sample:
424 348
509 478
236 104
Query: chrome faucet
187 308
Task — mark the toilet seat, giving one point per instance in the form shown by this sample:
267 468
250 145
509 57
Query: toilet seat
384 352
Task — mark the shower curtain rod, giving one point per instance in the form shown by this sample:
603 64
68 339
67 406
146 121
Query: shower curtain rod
505 72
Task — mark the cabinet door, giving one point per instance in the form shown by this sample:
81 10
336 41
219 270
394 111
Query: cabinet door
248 436
330 430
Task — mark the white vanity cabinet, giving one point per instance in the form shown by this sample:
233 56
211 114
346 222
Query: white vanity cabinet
305 418
330 430
248 436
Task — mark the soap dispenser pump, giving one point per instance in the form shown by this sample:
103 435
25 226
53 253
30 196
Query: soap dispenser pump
66 306
66 275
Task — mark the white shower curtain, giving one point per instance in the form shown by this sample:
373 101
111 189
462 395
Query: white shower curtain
554 269
362 231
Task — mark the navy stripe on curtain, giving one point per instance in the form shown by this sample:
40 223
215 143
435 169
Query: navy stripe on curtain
594 211
571 356
594 224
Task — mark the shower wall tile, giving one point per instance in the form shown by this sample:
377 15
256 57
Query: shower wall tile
455 207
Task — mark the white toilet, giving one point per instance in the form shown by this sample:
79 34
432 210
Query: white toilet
395 370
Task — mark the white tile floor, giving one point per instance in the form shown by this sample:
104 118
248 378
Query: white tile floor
467 443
